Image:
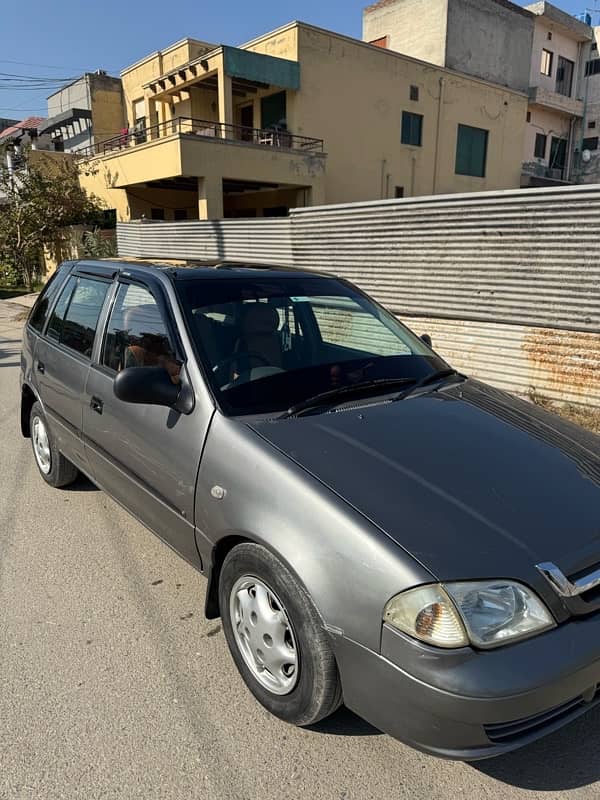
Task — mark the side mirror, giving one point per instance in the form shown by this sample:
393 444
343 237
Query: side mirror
149 385
425 337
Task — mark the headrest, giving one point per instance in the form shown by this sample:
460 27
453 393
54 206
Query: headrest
260 318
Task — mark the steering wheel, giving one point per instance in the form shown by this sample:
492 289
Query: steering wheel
224 362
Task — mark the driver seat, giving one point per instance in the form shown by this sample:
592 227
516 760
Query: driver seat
260 334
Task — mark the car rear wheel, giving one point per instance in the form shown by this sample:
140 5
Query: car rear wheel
54 468
276 637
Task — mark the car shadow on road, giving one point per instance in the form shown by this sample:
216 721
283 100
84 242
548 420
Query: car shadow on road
344 723
82 484
565 760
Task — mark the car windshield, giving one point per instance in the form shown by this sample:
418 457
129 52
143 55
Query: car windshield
269 342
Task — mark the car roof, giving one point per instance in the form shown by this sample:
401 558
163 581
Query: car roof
198 270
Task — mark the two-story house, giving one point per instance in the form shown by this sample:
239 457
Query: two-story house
299 116
538 49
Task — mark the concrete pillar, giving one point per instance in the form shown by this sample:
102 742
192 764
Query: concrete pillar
210 197
225 101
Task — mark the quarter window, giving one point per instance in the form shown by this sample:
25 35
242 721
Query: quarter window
55 325
471 151
412 128
51 289
81 317
547 59
137 335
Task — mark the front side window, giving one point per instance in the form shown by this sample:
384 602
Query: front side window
136 335
412 128
471 151
268 342
81 317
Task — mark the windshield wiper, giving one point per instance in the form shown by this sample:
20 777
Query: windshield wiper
333 396
438 375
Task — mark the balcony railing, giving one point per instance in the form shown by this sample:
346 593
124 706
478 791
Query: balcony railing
266 137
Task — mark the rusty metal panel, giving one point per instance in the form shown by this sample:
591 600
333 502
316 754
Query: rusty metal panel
560 365
251 240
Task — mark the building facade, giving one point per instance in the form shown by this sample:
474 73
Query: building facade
300 116
538 49
556 107
85 112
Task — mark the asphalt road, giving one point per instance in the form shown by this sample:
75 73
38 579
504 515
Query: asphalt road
112 684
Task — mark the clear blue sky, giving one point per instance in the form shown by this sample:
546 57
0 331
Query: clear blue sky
69 37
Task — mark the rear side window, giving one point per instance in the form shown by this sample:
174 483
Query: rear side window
137 335
81 318
39 314
75 316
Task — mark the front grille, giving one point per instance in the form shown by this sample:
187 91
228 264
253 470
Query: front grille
506 732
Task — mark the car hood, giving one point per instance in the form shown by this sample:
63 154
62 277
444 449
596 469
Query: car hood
471 481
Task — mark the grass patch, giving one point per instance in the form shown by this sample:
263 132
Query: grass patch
8 292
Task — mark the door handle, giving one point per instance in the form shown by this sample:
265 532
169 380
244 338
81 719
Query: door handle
96 405
40 367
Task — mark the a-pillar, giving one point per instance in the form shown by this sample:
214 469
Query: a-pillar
210 198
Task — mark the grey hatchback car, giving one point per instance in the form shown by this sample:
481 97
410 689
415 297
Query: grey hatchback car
376 528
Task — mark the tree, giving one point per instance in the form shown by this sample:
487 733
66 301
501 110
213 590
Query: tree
39 198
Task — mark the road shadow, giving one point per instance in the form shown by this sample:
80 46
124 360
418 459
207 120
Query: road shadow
82 484
344 723
565 760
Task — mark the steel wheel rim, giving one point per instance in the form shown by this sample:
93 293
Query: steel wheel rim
41 445
264 635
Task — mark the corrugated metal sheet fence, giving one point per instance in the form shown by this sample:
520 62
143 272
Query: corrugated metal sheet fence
507 283
228 239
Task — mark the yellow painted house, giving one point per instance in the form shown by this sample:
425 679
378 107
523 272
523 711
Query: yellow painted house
300 116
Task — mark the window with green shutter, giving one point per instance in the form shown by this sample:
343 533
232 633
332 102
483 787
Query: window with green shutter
471 151
412 128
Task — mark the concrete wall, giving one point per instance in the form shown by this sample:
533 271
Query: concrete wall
76 95
414 27
490 39
352 95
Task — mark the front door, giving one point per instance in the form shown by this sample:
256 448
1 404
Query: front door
145 456
558 154
247 122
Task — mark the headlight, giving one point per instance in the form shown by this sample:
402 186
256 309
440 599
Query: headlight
495 612
484 613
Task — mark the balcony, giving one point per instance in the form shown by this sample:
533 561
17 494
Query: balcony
538 174
215 167
208 129
556 102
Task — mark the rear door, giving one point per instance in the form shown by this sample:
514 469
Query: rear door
63 356
146 457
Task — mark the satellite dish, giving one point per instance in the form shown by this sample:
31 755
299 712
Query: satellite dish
586 156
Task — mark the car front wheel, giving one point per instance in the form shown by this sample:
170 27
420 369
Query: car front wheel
276 637
54 468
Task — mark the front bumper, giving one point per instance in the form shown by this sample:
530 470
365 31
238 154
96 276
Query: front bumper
468 705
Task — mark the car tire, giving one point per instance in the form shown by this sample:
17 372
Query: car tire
54 468
307 688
